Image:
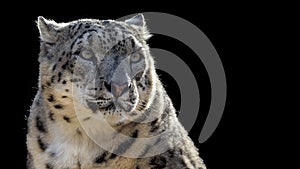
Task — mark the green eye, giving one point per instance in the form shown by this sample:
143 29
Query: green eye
87 54
136 57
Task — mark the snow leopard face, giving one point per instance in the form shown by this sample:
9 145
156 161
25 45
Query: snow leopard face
103 65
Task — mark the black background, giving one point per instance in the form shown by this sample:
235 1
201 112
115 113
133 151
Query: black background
232 32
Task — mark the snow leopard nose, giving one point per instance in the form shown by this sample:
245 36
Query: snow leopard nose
119 89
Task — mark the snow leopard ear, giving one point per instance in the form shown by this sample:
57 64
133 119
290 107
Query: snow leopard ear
48 30
137 20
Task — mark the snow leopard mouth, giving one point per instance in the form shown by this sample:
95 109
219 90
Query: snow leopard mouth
106 105
99 104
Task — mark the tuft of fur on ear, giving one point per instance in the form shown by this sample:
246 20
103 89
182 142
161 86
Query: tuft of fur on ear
139 21
48 30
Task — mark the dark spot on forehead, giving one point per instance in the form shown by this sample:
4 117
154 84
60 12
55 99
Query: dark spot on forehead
72 26
121 27
79 26
73 44
81 36
77 52
132 43
105 22
59 76
53 68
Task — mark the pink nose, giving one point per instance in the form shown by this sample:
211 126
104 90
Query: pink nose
118 90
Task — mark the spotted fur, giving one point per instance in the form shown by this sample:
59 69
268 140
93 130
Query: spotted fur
98 84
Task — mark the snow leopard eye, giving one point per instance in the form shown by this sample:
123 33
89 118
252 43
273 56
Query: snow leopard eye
136 57
87 54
